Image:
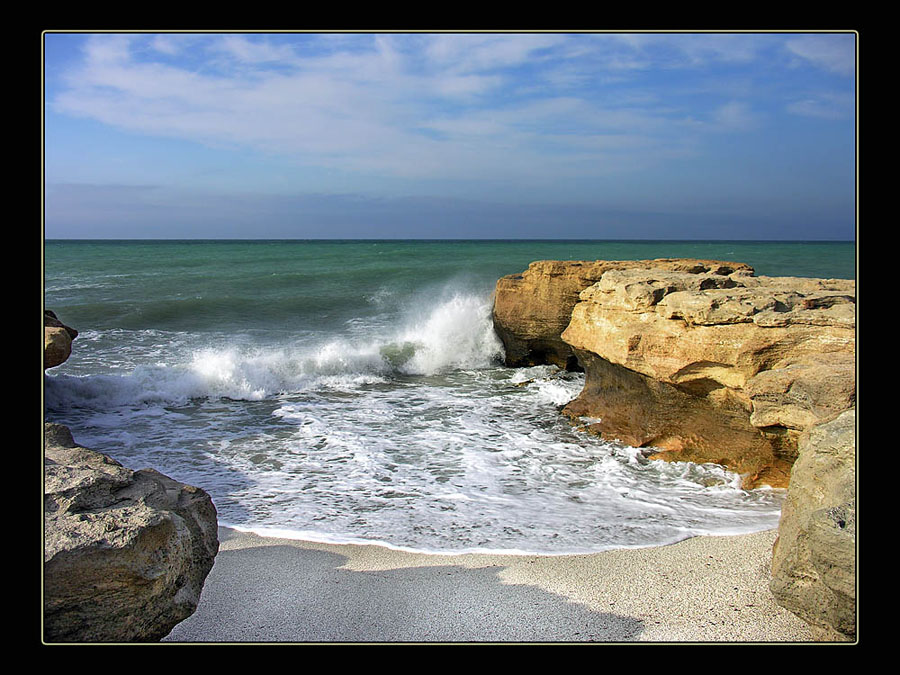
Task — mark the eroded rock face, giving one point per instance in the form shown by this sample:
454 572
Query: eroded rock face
532 309
699 359
125 552
814 560
57 340
709 367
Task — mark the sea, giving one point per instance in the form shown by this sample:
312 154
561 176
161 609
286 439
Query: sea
354 392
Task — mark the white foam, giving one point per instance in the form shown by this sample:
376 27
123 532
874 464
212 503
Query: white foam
458 333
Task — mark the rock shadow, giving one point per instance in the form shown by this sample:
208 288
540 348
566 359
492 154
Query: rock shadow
290 594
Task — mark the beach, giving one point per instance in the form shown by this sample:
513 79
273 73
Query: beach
355 392
703 589
459 337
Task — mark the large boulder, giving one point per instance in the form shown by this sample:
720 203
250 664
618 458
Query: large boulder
814 558
57 340
126 552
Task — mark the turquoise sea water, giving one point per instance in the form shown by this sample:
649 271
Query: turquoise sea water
354 391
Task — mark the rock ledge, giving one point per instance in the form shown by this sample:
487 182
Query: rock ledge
698 359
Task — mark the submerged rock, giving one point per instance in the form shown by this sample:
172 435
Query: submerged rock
126 552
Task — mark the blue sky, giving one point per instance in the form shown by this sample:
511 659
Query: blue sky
495 135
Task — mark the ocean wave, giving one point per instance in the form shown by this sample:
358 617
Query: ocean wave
458 334
454 334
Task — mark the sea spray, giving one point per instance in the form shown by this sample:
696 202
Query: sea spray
454 334
458 334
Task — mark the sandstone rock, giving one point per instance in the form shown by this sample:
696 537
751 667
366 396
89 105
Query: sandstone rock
699 359
814 559
803 393
738 366
532 309
126 552
708 363
57 340
681 425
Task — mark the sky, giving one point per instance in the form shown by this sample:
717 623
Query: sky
534 135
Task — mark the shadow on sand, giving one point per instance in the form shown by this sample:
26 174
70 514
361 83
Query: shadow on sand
289 594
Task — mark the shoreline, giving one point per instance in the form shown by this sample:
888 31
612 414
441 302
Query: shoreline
312 538
703 589
270 588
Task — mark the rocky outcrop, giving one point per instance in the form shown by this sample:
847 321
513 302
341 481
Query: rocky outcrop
814 559
532 309
703 361
126 552
700 360
57 340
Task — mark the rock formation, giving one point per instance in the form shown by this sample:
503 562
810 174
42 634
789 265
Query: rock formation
125 552
57 340
532 309
702 361
814 560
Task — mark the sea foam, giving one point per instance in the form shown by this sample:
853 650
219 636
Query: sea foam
353 391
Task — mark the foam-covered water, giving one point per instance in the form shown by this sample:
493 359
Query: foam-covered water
355 403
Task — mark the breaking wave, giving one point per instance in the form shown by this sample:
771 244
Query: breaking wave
456 334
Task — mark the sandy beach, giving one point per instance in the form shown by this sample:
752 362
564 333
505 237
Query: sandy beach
704 589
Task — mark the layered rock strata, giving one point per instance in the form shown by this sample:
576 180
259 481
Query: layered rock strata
532 309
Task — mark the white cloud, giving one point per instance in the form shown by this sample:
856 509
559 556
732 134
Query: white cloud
734 116
356 108
245 50
108 49
167 44
686 50
476 52
465 107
